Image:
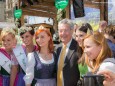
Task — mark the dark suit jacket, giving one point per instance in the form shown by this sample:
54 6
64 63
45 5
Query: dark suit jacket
71 73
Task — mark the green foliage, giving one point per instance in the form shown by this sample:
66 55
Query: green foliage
61 14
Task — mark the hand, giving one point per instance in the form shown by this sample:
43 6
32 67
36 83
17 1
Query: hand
109 77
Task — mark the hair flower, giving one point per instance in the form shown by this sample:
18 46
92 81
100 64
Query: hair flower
24 29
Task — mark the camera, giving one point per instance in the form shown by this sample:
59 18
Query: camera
91 80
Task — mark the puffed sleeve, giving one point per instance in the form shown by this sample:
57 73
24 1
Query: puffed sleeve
107 66
30 68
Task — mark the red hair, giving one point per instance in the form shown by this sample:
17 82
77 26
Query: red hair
50 44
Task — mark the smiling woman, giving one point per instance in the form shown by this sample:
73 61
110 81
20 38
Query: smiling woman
82 31
8 42
41 64
4 25
96 51
26 33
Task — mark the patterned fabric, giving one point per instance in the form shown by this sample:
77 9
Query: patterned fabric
19 78
42 70
5 53
4 75
45 74
21 74
14 60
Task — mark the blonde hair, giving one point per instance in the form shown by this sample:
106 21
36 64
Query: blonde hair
105 52
6 31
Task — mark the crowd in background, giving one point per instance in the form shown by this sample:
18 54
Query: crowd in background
40 63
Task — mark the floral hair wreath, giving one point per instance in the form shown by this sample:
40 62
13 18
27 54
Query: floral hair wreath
41 27
24 29
9 30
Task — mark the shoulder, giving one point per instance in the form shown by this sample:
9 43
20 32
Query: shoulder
19 46
2 49
111 45
35 48
112 60
74 46
74 43
58 46
108 64
23 45
30 55
55 55
31 58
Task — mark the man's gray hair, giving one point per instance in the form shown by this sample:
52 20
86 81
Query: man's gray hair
66 21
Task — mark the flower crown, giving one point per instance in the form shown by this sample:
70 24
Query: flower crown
41 27
9 30
24 29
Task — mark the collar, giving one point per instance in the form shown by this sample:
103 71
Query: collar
68 44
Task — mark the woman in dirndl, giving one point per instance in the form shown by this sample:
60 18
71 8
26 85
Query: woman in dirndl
8 42
42 64
26 33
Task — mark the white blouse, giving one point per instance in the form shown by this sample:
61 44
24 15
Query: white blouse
30 66
107 66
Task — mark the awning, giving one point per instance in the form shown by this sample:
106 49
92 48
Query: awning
7 24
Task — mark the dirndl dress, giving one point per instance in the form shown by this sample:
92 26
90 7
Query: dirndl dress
46 82
20 80
4 78
44 74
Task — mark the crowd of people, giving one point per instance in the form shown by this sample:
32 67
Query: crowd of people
40 63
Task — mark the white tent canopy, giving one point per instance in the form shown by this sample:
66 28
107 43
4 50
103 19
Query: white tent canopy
39 20
7 24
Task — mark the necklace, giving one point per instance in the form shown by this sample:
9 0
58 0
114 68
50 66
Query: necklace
46 56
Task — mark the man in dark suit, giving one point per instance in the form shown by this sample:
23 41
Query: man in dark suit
70 72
